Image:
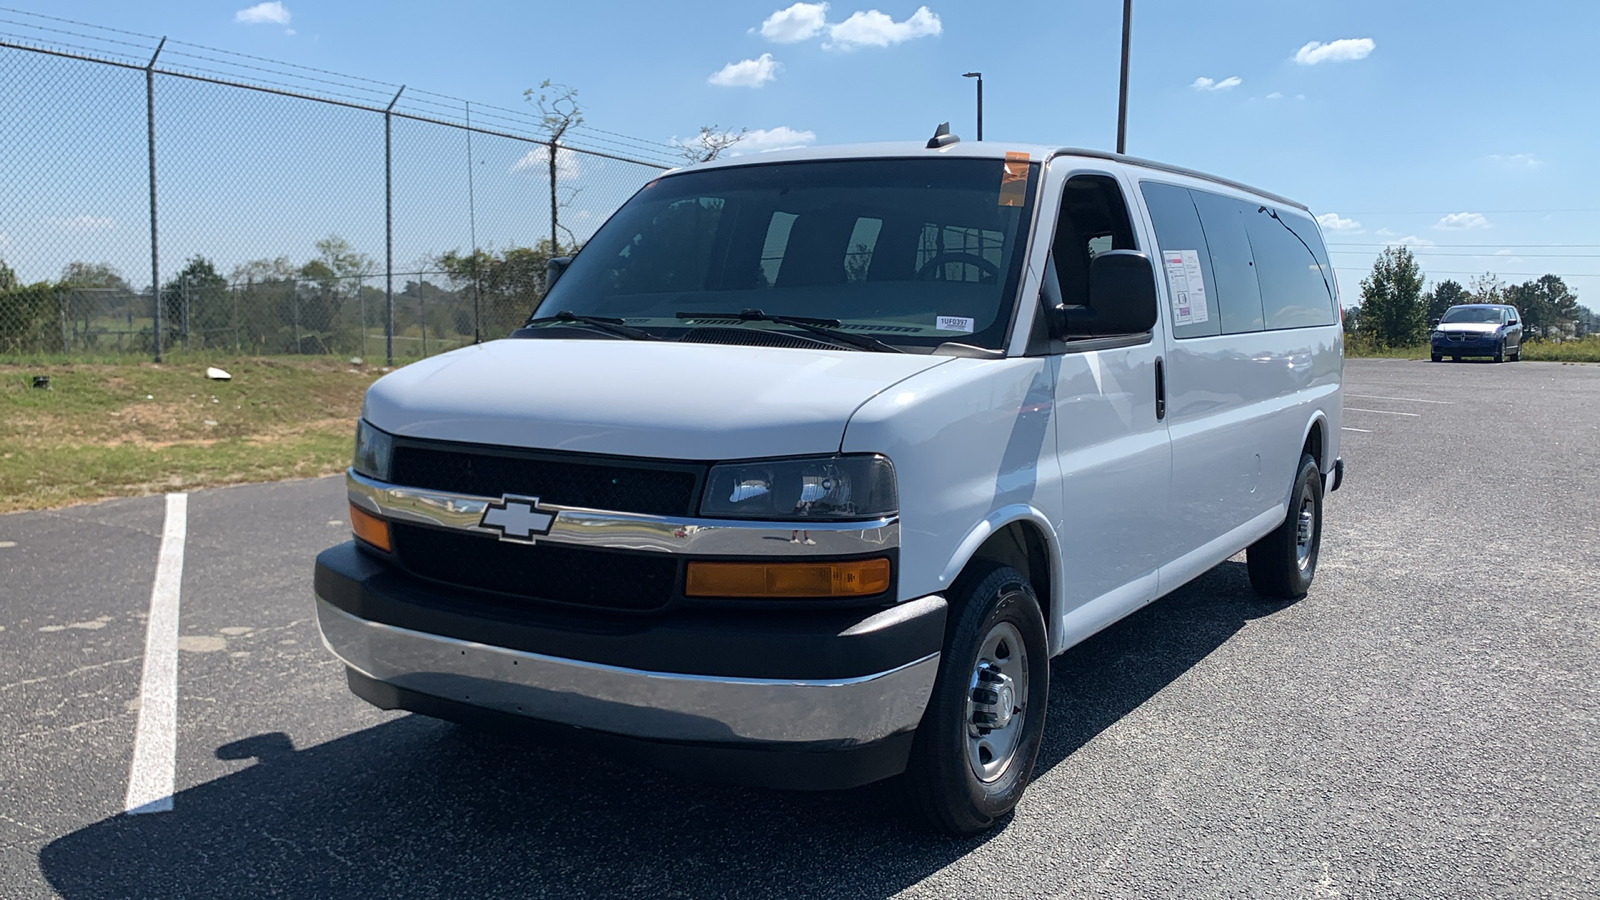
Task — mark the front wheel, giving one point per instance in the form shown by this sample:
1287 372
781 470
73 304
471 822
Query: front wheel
1500 352
975 749
1283 563
1436 358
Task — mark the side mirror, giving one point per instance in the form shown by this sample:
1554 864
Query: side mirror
1122 299
553 269
1434 323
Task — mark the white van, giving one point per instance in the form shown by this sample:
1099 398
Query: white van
809 462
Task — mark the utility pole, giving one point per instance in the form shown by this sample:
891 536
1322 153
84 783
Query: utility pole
1122 95
979 76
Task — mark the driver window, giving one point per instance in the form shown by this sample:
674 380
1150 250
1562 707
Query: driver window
1093 219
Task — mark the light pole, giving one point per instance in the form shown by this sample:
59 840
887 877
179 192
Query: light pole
1122 94
979 76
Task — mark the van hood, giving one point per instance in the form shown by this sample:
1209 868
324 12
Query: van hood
635 398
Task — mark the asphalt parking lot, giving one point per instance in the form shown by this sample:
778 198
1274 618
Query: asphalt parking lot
1423 724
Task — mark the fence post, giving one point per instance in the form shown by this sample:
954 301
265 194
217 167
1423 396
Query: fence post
472 226
294 300
388 227
186 312
361 303
150 133
422 316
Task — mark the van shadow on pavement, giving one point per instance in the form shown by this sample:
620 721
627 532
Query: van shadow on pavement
415 807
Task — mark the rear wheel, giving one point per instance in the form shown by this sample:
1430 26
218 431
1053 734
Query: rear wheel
975 749
1283 563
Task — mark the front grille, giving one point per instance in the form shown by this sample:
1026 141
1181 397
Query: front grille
560 480
573 576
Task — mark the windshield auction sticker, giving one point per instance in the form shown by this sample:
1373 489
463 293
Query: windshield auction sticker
1014 179
1188 286
954 323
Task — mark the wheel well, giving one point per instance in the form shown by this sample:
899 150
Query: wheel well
1314 445
1022 546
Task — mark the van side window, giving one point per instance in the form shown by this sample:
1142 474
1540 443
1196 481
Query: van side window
1292 264
1177 229
1238 299
1093 219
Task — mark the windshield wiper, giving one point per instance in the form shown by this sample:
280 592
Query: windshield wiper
827 328
603 323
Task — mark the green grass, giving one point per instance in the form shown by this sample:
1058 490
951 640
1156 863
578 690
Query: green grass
1584 350
109 429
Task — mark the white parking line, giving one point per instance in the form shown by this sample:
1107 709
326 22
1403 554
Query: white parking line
1401 399
1382 412
155 740
1348 428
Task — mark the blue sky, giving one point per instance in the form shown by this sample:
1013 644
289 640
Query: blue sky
1465 129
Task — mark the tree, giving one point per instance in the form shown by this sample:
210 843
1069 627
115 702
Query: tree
195 300
1549 308
1392 310
510 283
1444 295
8 278
93 275
709 143
1487 288
558 113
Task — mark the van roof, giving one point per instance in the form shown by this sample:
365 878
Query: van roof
975 149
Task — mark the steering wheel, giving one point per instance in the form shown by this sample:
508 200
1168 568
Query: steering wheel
939 261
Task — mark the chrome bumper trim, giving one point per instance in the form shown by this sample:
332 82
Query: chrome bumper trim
633 702
632 531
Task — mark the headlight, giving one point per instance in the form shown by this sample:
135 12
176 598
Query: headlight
373 448
824 487
1438 335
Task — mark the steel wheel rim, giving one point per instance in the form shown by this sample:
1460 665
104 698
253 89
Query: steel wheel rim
1305 529
997 702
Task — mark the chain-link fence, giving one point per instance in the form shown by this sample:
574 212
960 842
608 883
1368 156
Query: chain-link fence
160 196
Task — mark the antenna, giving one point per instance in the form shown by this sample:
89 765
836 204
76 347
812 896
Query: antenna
942 137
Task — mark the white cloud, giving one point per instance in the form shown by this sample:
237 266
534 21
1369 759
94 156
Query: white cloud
290 32
874 29
1386 233
1275 95
1336 222
81 224
1206 84
537 162
747 73
1461 221
764 140
1411 240
797 23
1517 160
273 13
1343 50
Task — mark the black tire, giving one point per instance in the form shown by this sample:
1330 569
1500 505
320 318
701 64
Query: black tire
941 782
1500 352
1277 566
1455 359
1436 358
1516 355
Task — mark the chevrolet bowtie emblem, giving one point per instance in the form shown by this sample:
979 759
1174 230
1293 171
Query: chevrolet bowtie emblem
517 519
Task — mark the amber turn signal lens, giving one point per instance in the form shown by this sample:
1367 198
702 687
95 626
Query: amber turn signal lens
858 578
369 527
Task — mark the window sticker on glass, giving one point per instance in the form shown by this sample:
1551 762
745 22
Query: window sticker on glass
1188 286
954 323
1014 178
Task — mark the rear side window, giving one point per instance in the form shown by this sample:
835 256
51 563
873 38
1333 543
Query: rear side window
1238 293
1292 265
1178 230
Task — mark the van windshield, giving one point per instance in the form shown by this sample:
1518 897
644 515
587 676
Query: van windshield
913 252
1475 315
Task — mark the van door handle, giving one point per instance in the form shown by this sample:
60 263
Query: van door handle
1161 391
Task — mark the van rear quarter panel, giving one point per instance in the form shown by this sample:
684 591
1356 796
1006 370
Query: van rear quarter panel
967 439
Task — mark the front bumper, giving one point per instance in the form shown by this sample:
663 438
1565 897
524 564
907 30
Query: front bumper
1475 346
792 684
